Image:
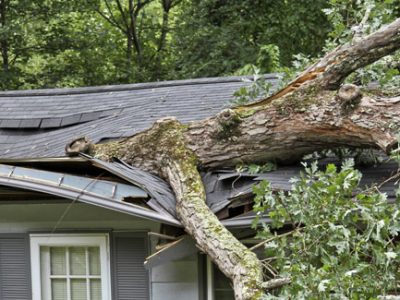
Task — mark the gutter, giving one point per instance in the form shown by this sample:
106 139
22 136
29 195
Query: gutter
75 195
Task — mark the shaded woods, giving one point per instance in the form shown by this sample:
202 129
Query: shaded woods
53 43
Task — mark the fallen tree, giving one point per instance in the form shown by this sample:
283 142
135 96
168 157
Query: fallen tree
314 112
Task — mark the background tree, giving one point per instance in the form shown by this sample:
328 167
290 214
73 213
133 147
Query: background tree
50 44
235 32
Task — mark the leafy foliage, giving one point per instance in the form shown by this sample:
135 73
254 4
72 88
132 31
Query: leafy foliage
353 19
335 245
49 44
237 34
259 87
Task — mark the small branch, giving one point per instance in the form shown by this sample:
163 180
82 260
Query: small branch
269 268
162 236
111 21
276 283
268 259
359 29
121 10
112 17
275 237
377 187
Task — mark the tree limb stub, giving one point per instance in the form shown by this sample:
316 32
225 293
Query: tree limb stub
307 115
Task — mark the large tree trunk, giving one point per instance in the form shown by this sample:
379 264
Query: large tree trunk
311 113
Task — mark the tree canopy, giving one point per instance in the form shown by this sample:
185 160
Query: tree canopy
47 44
50 44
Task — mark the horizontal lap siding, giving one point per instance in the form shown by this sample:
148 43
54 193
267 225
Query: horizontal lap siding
130 276
14 269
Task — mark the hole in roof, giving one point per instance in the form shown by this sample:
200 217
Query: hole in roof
136 201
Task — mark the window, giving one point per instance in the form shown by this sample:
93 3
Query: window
70 267
222 286
219 287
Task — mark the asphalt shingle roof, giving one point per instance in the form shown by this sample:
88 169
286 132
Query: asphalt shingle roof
40 123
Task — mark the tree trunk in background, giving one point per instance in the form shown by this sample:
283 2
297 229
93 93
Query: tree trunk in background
133 37
312 113
3 41
166 4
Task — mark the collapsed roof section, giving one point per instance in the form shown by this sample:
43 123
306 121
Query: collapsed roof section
120 187
122 197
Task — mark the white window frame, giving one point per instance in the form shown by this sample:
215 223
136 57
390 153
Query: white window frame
210 279
100 240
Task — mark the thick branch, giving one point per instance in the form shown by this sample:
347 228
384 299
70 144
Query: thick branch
290 127
177 164
330 71
365 51
304 117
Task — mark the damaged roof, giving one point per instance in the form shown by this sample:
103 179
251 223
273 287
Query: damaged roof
228 193
39 123
36 125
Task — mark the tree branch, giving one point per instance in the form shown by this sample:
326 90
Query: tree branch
367 50
175 162
330 71
276 283
121 10
275 237
304 117
109 20
359 28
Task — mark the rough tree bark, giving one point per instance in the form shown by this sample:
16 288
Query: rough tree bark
313 112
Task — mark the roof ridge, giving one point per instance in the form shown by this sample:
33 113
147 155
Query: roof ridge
128 87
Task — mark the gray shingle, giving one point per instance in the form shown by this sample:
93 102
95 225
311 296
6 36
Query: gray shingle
30 123
90 116
10 123
50 123
69 120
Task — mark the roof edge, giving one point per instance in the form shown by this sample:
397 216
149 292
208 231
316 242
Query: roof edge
129 87
4 160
